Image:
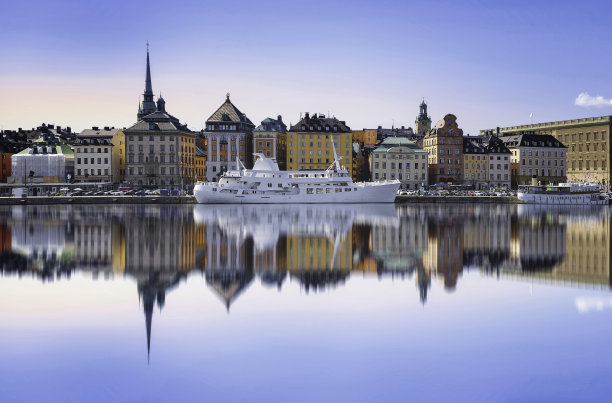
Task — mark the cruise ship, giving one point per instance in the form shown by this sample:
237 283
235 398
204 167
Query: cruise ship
563 194
266 183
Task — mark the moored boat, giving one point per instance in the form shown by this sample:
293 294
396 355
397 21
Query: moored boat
563 194
265 183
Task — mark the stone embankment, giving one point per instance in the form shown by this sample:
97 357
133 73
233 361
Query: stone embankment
33 200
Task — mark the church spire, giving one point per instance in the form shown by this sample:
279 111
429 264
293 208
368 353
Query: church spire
148 105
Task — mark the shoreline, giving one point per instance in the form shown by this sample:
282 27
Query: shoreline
52 200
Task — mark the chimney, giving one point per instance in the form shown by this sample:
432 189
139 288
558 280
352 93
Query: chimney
59 128
497 131
68 129
279 118
106 128
307 116
94 127
402 127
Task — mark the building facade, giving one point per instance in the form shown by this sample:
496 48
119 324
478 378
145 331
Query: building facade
587 141
444 146
539 157
475 163
309 146
499 166
423 121
486 162
229 135
160 151
400 158
100 155
270 139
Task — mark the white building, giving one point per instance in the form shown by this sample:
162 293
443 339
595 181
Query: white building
400 158
100 155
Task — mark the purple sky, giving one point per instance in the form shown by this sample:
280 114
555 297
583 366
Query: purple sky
82 63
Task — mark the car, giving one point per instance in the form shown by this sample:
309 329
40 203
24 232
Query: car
140 192
117 193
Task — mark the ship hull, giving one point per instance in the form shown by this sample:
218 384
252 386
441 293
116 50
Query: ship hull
370 193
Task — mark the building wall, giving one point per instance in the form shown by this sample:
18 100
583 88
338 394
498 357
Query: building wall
548 165
367 137
223 148
162 159
93 163
475 171
588 142
401 163
313 150
118 157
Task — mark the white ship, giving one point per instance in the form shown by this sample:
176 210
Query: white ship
563 194
265 183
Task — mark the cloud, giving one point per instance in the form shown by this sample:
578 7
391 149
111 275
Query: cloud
584 99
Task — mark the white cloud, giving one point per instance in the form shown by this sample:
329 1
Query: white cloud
584 99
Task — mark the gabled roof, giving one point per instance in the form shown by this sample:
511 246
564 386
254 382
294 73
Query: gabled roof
228 112
158 122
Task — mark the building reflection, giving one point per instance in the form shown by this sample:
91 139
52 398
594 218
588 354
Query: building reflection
314 246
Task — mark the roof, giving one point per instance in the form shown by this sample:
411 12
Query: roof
531 140
472 146
393 142
320 123
228 112
271 125
105 132
158 122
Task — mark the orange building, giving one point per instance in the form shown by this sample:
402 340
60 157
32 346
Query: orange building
366 137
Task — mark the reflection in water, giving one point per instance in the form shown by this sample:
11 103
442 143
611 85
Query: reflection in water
318 246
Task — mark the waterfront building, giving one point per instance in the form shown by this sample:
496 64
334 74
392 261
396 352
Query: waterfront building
444 145
46 161
400 158
475 164
100 155
309 146
535 156
160 151
229 135
423 121
499 167
200 160
270 139
587 141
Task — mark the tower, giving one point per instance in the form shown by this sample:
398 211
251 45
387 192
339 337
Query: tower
422 122
148 105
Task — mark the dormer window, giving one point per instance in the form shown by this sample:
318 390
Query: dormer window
303 127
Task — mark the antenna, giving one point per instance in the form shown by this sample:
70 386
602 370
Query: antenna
147 46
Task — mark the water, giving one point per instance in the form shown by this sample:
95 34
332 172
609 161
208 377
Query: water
305 303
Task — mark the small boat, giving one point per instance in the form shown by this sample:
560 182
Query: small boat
265 183
563 194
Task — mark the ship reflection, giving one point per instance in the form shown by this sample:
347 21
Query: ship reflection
315 246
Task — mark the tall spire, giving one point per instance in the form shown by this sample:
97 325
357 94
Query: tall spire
148 105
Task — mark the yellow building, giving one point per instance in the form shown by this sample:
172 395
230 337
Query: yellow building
475 163
200 159
309 146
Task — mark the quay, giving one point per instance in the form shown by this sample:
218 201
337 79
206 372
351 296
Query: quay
41 200
51 200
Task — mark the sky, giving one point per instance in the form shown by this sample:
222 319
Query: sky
82 63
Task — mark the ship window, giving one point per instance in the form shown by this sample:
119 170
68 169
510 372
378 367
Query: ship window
347 190
280 185
269 185
319 190
338 190
309 191
328 190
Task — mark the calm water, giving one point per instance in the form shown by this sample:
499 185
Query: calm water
305 303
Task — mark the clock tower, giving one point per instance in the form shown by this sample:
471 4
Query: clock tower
422 122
